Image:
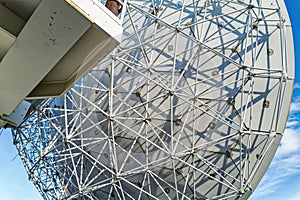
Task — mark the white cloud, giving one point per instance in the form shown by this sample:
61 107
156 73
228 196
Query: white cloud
295 106
297 86
292 123
294 196
280 173
294 118
290 142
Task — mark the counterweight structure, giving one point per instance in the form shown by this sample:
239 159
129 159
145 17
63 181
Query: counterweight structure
191 105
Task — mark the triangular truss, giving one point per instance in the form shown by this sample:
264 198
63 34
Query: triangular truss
186 108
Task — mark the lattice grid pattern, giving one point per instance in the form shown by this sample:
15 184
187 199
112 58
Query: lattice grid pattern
187 107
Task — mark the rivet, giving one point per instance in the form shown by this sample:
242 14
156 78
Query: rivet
266 104
221 24
270 52
211 125
170 48
105 155
178 122
128 70
167 190
159 25
215 73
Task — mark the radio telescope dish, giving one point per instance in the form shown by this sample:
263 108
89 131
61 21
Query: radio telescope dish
191 105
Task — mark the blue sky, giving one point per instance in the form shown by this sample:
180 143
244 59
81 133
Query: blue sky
281 182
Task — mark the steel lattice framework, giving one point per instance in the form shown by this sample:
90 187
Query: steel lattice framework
191 105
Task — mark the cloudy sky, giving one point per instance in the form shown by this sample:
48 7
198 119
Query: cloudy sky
281 182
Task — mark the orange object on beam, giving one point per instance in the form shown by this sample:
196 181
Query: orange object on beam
113 6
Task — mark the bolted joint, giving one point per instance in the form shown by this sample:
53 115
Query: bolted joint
251 6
